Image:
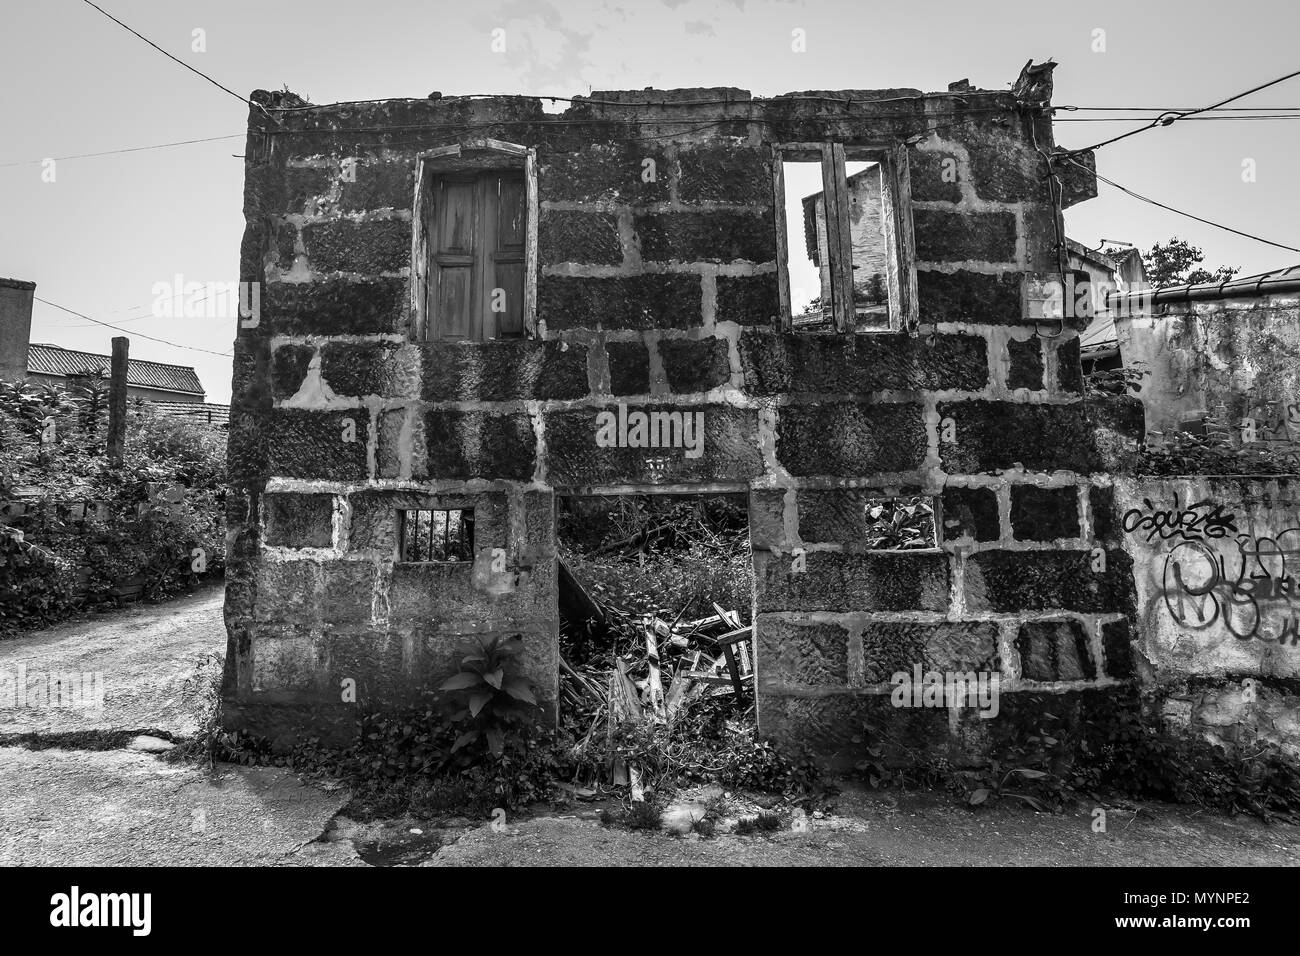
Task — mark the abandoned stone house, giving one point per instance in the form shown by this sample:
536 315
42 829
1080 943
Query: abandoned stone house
455 289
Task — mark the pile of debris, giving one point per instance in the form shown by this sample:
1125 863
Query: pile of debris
654 670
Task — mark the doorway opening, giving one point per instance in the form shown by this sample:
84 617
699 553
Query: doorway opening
656 597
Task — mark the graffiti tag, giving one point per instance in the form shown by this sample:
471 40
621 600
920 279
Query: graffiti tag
1204 519
1251 591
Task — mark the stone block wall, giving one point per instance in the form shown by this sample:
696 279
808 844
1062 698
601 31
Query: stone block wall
659 293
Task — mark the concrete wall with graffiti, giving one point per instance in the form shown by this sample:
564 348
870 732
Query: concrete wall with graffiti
1216 563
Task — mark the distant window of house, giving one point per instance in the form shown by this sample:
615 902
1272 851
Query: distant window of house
436 535
475 249
845 238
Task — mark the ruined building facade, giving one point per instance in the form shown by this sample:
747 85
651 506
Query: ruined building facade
455 290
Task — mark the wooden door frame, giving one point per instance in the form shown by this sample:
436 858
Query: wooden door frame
473 155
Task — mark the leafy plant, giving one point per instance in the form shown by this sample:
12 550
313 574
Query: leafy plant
999 789
495 699
62 564
1117 381
900 523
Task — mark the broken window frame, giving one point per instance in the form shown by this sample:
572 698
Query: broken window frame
465 539
896 202
469 156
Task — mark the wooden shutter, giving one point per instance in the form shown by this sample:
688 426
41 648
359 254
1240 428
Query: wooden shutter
476 276
454 250
508 254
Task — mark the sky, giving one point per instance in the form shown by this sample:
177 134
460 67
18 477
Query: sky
106 230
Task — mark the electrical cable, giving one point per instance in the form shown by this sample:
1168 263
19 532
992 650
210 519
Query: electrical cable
1153 202
205 76
129 149
82 315
1172 116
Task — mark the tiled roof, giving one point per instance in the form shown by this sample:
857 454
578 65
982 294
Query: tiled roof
1279 280
204 413
53 360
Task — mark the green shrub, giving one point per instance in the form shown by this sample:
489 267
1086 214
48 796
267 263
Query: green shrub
496 699
157 547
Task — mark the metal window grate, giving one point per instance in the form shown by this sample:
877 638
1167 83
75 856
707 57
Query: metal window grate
436 535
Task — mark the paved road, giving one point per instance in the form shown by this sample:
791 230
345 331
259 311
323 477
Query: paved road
895 830
124 808
146 653
70 801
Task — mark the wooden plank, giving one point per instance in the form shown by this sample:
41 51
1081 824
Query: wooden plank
441 152
417 324
728 617
454 248
733 667
733 637
677 692
530 244
496 146
905 244
704 677
654 684
507 254
575 603
631 700
838 238
483 321
702 622
784 318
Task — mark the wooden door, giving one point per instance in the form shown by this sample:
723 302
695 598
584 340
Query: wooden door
477 229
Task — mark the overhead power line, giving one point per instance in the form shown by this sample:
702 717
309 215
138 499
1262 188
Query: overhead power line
82 315
128 149
1208 222
1173 116
205 76
1170 109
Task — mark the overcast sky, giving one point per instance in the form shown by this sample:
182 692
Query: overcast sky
108 228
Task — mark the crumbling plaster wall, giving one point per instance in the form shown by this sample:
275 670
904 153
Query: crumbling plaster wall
1216 562
1234 356
661 293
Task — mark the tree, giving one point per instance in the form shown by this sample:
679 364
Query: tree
1177 262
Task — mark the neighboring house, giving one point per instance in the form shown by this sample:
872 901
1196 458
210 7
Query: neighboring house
150 381
1107 274
875 269
1225 348
171 389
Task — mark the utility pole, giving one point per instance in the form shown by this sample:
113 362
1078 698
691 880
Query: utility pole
117 401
